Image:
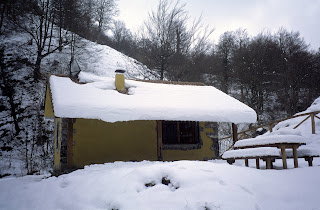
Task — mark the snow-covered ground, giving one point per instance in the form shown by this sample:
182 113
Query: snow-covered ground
167 185
175 185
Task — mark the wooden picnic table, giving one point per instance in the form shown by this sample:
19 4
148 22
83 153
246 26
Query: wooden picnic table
275 141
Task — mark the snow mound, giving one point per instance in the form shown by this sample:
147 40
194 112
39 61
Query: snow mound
315 106
285 131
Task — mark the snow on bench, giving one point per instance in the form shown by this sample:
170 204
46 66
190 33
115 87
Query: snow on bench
265 153
281 139
269 140
267 147
305 152
252 153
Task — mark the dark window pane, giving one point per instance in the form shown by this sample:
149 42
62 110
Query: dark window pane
169 132
176 132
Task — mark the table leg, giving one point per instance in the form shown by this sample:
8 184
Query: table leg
268 163
310 161
246 162
284 157
257 163
295 156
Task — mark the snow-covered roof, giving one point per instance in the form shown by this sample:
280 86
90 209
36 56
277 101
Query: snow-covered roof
98 99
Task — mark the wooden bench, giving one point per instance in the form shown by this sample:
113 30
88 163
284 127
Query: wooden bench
307 153
282 142
268 154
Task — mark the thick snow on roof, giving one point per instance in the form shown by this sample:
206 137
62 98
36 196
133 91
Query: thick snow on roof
145 101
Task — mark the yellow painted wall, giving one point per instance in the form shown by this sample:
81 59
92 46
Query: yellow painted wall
57 143
96 141
48 109
204 153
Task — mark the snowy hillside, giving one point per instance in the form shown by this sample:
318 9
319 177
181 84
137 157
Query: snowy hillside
97 59
26 138
102 60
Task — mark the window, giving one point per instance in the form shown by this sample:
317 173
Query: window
177 132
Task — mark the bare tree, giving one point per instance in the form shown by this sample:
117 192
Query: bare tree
167 30
121 36
2 13
240 60
225 49
39 24
104 11
294 66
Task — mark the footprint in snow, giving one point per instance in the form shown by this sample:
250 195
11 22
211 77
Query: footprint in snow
257 207
210 171
64 184
246 190
222 183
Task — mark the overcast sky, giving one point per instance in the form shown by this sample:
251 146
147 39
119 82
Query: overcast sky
229 15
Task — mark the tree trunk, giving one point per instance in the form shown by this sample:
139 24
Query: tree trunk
36 71
8 90
161 69
14 114
2 15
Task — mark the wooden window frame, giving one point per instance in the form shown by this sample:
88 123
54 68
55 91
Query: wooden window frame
178 145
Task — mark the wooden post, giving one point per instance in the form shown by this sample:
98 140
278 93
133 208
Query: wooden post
159 140
268 163
313 125
309 159
70 143
257 163
295 156
284 157
231 161
246 161
234 132
270 127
